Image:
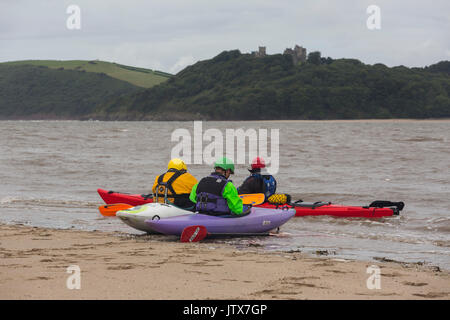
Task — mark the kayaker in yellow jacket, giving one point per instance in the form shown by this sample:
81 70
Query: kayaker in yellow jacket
175 185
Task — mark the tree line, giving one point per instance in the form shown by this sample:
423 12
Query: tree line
234 86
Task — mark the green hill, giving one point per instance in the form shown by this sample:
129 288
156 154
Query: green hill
40 92
235 86
230 86
140 77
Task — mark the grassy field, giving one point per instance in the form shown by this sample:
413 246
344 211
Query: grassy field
141 77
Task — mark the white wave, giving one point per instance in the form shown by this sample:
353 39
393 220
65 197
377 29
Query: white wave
8 199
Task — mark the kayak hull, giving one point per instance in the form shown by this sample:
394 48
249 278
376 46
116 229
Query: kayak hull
111 197
259 220
337 211
328 209
135 217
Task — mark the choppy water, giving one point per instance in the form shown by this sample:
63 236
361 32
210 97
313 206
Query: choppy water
50 171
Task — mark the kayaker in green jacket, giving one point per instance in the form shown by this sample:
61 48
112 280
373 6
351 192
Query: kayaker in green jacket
215 194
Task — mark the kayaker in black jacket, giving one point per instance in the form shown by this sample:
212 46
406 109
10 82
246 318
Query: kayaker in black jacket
215 194
258 182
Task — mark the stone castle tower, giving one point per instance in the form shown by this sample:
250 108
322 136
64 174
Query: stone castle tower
298 54
260 53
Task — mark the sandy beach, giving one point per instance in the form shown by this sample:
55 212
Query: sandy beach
34 264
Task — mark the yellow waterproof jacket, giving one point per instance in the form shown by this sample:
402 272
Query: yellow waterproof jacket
178 183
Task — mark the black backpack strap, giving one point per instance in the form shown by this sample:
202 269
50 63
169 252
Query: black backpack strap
175 176
160 178
168 183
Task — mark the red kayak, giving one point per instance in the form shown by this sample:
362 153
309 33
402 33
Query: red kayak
111 197
376 209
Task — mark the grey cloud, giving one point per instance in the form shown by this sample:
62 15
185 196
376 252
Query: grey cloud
167 34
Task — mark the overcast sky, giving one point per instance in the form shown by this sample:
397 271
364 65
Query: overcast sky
169 35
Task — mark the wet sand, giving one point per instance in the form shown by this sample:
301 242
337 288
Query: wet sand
34 263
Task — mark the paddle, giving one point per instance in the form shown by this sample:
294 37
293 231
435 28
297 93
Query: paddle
193 234
110 210
198 233
253 198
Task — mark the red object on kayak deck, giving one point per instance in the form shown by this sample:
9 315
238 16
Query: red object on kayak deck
111 197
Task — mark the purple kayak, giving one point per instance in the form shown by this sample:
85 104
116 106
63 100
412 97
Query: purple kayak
259 220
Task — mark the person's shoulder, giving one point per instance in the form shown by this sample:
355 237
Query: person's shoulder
254 178
206 177
190 177
156 181
230 184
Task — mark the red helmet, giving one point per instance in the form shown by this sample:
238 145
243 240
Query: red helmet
258 163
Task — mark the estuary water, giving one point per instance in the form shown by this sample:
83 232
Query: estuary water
50 171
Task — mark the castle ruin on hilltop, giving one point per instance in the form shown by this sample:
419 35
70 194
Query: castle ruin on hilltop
298 53
260 53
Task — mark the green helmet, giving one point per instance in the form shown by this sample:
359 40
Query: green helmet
225 164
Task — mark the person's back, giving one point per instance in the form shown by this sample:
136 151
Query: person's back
215 194
258 182
251 185
175 185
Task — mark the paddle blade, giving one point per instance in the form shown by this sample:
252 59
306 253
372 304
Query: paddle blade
193 234
110 210
252 198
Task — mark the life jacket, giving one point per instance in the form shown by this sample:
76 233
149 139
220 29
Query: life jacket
268 181
209 195
165 192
